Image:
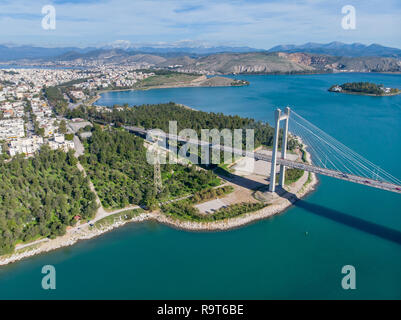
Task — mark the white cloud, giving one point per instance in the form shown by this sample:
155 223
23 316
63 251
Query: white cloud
256 23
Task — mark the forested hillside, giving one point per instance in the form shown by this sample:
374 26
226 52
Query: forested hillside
116 162
159 115
40 196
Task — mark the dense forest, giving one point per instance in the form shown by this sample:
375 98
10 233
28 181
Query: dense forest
363 87
116 162
40 196
159 115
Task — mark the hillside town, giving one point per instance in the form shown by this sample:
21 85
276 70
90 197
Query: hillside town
27 119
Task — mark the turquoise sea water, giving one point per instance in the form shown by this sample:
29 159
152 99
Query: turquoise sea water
346 224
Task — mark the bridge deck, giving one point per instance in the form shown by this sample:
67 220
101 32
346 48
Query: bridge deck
287 163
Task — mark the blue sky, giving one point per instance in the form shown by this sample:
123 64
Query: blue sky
254 23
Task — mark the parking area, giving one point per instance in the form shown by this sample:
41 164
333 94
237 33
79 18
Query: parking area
210 207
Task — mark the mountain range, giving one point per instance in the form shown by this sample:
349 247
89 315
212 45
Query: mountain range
307 58
341 49
8 53
14 52
31 52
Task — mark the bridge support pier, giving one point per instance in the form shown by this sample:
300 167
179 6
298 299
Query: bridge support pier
272 186
284 146
273 171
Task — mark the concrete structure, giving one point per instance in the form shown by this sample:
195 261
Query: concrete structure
284 146
59 138
285 162
278 118
26 145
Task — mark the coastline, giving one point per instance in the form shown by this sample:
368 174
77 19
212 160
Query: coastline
196 83
307 183
73 236
368 94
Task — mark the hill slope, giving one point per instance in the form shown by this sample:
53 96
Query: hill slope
282 62
255 62
341 49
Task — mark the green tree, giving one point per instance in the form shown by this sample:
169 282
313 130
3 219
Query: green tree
62 127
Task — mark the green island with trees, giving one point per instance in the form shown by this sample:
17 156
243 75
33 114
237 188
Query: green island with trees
364 88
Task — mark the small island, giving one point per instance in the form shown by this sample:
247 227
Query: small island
364 88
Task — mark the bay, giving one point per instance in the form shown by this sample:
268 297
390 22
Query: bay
297 254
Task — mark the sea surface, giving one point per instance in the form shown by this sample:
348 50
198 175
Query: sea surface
297 254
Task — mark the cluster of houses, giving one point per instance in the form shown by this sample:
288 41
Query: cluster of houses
24 109
12 109
30 145
59 142
25 145
108 78
12 129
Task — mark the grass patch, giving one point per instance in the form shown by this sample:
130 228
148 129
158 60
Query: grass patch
183 210
292 175
168 79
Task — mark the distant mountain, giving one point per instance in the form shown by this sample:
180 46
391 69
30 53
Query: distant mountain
106 56
8 52
251 62
228 63
283 62
307 58
341 49
31 52
196 50
177 48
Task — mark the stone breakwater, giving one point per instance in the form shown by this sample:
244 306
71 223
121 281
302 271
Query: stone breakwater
278 206
69 239
72 237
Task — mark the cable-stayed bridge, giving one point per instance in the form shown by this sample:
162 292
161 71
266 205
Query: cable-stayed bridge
327 156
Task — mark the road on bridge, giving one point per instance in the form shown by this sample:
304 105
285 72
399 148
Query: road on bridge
287 163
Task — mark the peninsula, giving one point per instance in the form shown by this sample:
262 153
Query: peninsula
86 86
116 182
172 79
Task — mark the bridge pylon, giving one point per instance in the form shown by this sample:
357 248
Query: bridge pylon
278 117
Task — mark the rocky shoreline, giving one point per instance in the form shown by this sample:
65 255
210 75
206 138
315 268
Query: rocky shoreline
72 237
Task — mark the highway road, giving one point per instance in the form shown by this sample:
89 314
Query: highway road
287 163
